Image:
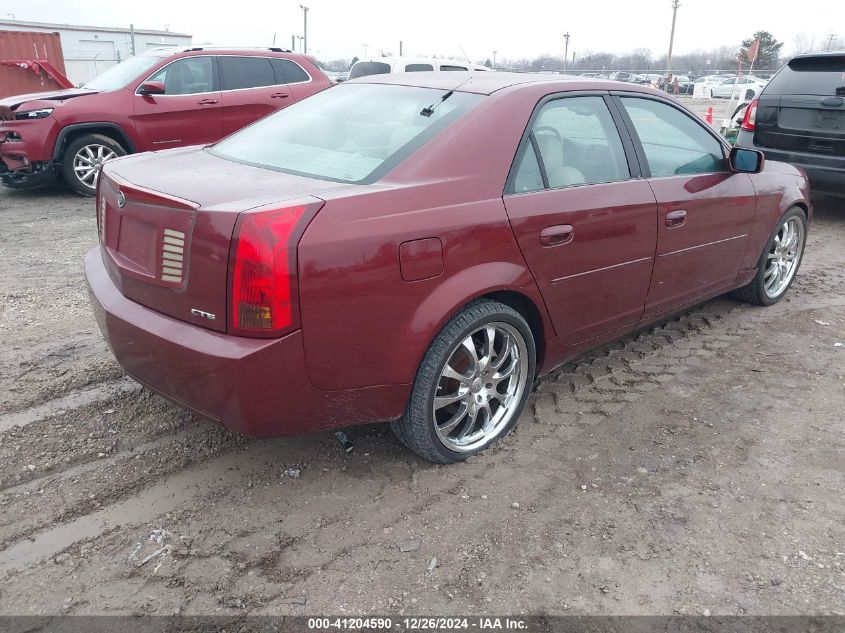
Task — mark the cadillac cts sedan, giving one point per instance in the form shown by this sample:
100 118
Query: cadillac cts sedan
418 248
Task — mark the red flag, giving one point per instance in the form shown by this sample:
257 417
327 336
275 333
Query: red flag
753 50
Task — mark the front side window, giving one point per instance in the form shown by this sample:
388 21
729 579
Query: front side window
245 72
445 67
417 68
351 133
674 143
187 76
578 144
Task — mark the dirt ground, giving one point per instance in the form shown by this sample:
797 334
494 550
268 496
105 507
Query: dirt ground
695 468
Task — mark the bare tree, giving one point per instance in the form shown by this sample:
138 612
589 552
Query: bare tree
803 43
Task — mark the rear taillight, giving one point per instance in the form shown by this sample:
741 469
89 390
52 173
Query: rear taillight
263 282
749 120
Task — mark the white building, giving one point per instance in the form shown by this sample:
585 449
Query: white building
89 50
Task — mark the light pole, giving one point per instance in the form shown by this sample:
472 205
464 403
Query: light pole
304 28
494 59
675 5
299 37
565 50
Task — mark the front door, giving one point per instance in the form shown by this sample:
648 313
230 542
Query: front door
705 212
189 111
586 228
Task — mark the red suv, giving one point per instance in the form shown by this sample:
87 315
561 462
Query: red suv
157 100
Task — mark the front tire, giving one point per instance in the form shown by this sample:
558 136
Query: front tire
82 160
472 384
779 262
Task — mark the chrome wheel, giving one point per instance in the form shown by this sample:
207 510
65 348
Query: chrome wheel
480 387
87 160
783 257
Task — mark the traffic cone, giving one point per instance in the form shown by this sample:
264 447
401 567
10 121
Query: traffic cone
709 117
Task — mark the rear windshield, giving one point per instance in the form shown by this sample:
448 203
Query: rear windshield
365 69
822 75
352 133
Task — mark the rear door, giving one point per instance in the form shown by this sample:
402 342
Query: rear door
705 211
249 90
585 224
803 107
188 113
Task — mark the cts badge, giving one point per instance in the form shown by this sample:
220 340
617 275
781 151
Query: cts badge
204 315
121 199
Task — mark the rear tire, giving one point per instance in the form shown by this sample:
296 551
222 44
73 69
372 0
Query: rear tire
779 262
82 160
479 392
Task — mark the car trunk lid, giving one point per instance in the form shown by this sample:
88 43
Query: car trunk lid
166 242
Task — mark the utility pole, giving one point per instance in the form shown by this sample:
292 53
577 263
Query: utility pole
293 43
675 5
132 37
400 48
304 28
565 51
494 59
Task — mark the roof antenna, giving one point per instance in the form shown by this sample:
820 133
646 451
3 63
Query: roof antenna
466 57
429 110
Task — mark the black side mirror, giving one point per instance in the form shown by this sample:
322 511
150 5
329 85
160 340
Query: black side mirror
747 161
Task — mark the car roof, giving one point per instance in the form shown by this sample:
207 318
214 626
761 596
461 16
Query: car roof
486 83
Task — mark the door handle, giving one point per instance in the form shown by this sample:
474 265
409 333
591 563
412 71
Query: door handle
676 218
832 102
279 95
557 235
207 101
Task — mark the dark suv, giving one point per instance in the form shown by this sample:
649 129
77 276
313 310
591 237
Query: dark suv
800 118
160 99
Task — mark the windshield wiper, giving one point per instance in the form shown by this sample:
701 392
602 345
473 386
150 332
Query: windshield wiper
429 110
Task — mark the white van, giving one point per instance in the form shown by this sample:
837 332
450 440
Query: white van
384 65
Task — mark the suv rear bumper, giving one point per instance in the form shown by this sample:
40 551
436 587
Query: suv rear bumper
826 173
258 387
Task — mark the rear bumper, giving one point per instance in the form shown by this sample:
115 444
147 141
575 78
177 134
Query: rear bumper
826 173
258 387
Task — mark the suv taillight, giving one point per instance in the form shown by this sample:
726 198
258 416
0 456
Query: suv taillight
263 278
750 118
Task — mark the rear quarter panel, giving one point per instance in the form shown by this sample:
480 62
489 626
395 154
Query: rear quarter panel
779 186
362 324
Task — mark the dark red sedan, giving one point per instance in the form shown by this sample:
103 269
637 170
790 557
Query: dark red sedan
418 248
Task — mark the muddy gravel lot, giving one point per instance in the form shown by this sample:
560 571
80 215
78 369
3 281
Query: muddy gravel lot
697 467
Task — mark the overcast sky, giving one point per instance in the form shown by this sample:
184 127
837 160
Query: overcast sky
516 28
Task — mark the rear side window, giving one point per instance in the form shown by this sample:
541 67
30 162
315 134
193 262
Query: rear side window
246 72
822 75
673 142
288 72
416 68
578 144
444 67
365 69
187 76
